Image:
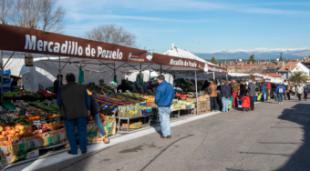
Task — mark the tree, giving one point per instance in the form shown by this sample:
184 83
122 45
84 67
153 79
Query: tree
213 60
252 59
6 9
112 34
38 14
298 78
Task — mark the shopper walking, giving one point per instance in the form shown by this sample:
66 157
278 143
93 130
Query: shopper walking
226 94
213 96
163 98
280 90
252 93
74 105
300 91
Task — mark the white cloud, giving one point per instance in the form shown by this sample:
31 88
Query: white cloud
114 9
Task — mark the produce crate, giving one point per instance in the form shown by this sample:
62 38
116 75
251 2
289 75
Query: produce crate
25 148
203 106
136 125
53 137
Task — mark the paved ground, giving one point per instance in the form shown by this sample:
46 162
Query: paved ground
274 137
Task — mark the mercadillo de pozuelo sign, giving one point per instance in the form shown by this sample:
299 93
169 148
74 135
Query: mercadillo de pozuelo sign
21 39
177 61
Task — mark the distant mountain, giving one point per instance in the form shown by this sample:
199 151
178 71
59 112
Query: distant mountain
262 54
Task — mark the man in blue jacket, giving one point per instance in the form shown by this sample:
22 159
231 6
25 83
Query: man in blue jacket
163 98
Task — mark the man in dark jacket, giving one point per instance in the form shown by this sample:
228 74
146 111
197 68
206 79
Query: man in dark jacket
226 95
252 93
74 105
57 84
163 98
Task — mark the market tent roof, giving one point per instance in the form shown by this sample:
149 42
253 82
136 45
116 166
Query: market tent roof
178 52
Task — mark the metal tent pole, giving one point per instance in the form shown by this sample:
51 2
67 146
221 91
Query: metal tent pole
213 76
1 74
196 87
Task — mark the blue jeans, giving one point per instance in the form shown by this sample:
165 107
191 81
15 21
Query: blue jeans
264 96
77 128
99 124
164 118
225 102
280 97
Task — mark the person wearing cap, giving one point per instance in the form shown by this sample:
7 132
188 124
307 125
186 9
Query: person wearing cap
163 99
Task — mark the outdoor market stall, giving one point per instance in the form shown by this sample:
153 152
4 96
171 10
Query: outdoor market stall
28 126
31 121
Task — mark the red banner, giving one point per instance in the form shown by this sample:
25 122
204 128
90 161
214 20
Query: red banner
177 61
35 41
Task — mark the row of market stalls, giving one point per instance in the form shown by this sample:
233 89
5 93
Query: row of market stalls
272 77
29 120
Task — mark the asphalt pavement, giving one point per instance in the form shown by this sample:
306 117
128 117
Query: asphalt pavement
273 137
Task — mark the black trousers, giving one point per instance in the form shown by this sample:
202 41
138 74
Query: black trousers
299 96
252 102
288 96
305 95
213 103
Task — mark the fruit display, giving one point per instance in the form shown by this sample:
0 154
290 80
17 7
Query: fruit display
182 105
129 111
22 95
135 125
181 96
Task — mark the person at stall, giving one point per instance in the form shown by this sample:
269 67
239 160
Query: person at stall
252 94
94 111
243 89
14 83
263 89
74 104
57 84
212 90
163 99
124 86
226 95
235 91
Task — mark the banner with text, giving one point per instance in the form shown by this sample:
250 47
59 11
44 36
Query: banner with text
177 61
21 39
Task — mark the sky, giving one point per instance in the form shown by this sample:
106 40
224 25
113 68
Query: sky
197 25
